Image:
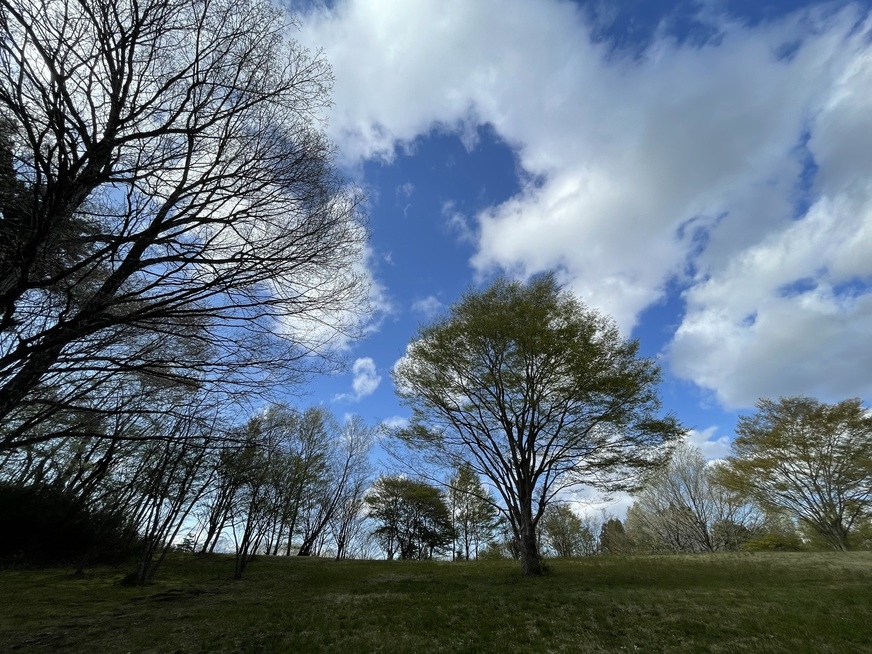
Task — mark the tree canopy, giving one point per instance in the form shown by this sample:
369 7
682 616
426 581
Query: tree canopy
564 532
169 211
538 393
414 521
809 458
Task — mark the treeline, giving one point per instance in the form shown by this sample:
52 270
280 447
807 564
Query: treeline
284 482
799 477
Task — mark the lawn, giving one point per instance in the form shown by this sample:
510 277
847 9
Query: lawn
744 602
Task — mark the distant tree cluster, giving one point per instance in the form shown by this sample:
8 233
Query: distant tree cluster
413 518
683 508
285 482
800 475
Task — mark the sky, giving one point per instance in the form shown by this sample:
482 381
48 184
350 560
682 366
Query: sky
701 171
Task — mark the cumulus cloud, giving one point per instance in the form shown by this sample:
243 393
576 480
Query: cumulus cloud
788 313
736 168
428 306
365 380
709 443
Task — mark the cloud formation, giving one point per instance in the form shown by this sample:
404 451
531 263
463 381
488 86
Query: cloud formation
736 168
365 380
711 445
428 306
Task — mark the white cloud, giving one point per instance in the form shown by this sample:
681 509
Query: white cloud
395 422
590 504
685 163
365 380
428 306
458 223
786 316
712 446
404 191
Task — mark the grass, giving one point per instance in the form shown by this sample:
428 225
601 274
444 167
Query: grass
745 602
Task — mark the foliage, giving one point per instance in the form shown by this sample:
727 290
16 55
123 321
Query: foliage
614 538
413 517
811 459
291 478
564 532
473 512
45 525
773 542
537 393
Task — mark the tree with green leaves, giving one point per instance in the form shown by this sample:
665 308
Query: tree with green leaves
614 539
473 511
564 532
538 393
412 516
809 458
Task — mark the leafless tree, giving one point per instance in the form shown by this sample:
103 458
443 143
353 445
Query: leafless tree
683 509
170 212
344 482
178 475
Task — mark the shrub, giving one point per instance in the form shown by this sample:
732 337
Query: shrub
773 543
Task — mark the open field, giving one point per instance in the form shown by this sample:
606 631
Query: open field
761 602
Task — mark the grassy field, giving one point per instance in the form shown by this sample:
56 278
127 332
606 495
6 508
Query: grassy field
761 602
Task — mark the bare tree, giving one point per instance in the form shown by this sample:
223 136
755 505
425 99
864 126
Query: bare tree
345 479
683 509
179 473
170 212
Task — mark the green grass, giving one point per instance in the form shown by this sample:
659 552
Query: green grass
760 602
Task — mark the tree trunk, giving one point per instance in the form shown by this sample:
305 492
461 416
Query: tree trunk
531 563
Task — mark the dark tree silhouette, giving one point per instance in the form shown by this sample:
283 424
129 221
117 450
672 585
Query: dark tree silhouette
170 212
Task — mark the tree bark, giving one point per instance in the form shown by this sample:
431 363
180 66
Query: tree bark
528 547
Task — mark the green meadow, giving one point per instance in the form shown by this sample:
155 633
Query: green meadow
741 602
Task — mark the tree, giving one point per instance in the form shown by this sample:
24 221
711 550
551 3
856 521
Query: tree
682 508
170 211
614 539
564 532
346 472
178 475
538 393
414 520
811 459
473 512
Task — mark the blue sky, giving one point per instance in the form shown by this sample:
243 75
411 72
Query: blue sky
699 170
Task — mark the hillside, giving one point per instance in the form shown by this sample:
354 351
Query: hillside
761 602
